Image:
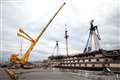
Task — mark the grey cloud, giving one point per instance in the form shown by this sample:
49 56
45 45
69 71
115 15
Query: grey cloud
77 17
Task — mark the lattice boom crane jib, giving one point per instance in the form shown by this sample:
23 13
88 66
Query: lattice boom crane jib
14 57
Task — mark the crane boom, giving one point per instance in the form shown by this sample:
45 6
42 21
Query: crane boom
26 55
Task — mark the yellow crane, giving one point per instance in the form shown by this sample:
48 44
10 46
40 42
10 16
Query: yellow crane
14 57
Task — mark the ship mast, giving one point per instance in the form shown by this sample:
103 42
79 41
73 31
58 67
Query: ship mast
93 39
56 48
66 41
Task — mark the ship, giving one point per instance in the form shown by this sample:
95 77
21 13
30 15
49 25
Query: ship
98 59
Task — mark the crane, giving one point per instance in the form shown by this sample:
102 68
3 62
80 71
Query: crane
22 61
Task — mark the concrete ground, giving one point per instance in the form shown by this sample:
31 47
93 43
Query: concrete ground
40 74
48 75
4 75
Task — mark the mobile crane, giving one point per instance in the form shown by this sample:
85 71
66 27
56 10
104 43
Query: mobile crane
23 61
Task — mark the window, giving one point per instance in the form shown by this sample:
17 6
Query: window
93 65
97 59
89 59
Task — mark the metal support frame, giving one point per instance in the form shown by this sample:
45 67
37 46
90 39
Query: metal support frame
93 39
56 48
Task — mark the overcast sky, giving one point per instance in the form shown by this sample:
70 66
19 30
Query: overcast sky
33 15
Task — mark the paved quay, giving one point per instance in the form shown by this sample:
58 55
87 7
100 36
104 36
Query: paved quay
40 74
4 75
45 74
